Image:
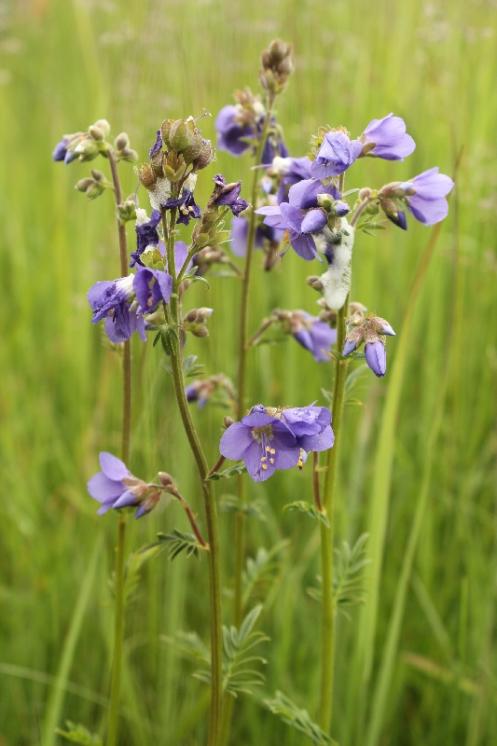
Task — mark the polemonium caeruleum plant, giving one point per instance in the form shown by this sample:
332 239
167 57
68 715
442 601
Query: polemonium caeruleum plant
297 204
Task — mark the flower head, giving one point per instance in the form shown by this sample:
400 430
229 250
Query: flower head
233 134
335 155
425 196
268 439
152 286
302 216
112 301
313 334
370 330
387 138
228 194
186 206
115 487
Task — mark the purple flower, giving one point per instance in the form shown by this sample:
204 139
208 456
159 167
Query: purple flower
313 334
60 151
292 171
239 235
376 357
268 439
425 195
336 154
231 134
273 147
152 286
228 194
115 487
301 216
387 138
157 146
111 300
187 207
146 234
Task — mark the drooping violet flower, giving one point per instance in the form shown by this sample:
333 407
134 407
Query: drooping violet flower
265 440
152 286
202 390
233 135
186 205
111 300
387 138
335 155
313 334
64 151
228 194
426 195
115 487
263 233
370 330
376 357
146 233
301 216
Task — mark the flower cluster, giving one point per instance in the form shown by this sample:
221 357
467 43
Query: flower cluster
268 438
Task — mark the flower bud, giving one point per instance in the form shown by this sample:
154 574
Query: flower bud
228 421
199 330
83 184
166 481
277 66
205 155
96 132
315 282
103 126
86 149
147 176
122 141
97 175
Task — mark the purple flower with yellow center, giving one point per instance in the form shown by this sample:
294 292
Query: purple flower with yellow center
146 233
233 135
114 487
268 439
387 138
228 195
186 206
335 155
313 334
152 286
112 300
301 216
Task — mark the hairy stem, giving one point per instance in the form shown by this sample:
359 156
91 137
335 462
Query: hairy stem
208 496
328 627
115 690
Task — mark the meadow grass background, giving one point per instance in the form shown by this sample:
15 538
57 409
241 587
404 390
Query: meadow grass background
417 662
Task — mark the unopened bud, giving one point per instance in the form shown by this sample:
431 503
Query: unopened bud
96 132
147 176
166 481
122 141
205 156
199 330
97 175
103 125
228 421
315 282
83 184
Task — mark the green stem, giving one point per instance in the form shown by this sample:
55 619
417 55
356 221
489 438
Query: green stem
208 495
239 538
115 689
328 629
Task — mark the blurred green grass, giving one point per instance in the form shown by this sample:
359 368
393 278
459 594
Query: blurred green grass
423 444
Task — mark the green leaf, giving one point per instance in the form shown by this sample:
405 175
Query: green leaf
191 367
310 510
79 734
298 718
348 583
231 471
178 542
260 571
